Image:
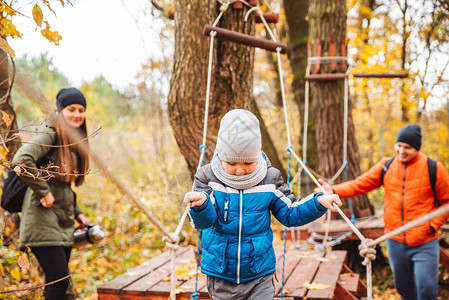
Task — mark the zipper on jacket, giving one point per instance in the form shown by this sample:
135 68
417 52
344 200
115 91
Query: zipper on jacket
402 198
226 209
240 236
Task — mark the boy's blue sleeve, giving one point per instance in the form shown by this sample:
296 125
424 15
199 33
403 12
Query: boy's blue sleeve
291 213
203 216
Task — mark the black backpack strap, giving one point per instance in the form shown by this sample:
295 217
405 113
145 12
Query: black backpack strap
432 166
385 168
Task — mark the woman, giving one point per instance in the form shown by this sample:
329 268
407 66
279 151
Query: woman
49 209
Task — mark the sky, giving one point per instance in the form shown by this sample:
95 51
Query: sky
99 37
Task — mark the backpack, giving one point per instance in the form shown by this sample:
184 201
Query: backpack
14 188
432 167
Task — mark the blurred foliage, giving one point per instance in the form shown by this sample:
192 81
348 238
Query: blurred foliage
136 143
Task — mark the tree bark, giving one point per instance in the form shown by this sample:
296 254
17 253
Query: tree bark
6 106
298 36
328 20
232 75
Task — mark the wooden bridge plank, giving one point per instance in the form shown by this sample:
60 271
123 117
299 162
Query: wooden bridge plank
117 284
304 272
145 283
162 286
292 257
328 274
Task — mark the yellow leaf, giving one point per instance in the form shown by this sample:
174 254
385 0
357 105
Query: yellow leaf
316 286
15 274
3 153
37 15
5 48
6 118
52 36
23 263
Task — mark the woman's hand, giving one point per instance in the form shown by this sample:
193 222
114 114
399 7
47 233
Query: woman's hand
326 186
48 200
328 200
82 220
194 199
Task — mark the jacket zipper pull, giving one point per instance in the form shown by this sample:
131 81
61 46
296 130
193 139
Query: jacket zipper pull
226 208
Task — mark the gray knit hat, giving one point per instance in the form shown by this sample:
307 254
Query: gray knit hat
239 138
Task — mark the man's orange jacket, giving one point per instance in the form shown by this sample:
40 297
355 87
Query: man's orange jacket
408 196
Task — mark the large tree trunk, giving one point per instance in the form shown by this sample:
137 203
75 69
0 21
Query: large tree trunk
232 75
6 128
328 19
298 36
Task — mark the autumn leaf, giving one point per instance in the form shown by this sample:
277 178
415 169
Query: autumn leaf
4 46
23 263
316 286
52 36
6 118
37 15
3 153
15 274
18 170
2 284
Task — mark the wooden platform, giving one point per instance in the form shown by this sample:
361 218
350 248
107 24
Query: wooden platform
304 270
371 228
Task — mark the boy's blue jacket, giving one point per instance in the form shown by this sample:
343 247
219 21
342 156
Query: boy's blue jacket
237 236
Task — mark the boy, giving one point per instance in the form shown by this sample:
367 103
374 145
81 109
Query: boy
233 197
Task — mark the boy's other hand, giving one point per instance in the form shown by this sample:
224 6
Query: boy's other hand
194 199
326 186
328 200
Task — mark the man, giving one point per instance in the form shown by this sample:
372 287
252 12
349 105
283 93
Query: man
414 254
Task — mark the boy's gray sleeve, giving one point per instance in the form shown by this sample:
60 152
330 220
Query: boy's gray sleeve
200 183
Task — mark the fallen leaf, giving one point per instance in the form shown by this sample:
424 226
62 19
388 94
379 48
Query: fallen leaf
23 263
316 286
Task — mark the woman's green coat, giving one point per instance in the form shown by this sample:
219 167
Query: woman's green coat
40 226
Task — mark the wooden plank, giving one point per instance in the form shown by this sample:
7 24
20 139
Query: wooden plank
188 287
292 257
304 272
141 286
444 258
341 293
349 281
328 274
361 286
117 284
163 286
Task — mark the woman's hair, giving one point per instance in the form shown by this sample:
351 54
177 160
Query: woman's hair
65 158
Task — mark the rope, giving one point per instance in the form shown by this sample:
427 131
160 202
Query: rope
285 228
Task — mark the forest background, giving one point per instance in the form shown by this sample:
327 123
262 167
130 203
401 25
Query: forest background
137 142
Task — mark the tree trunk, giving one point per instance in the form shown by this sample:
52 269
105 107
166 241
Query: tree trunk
232 75
6 106
298 36
328 20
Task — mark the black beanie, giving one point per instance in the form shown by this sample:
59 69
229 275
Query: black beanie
410 134
69 96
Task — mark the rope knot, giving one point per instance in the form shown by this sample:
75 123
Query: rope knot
194 296
367 252
202 147
171 242
224 6
289 148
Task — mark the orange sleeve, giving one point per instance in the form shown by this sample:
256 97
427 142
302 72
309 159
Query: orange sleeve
366 182
442 190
